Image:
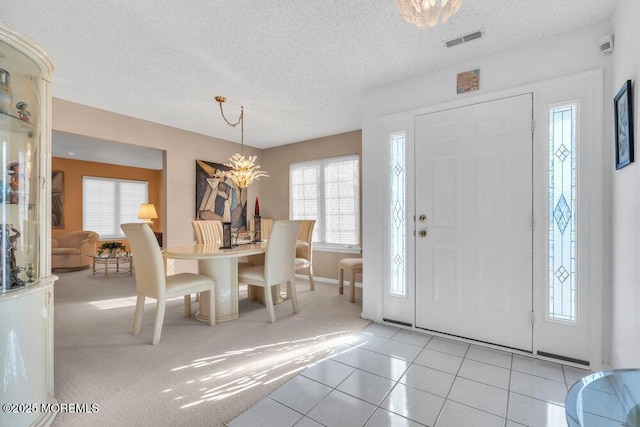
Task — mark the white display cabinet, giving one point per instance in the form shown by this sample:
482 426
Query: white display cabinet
26 283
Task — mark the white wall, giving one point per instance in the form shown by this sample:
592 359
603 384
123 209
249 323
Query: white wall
182 149
625 334
562 55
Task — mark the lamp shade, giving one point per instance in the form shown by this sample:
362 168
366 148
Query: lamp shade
147 212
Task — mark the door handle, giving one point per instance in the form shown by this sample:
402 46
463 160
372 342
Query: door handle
422 218
422 233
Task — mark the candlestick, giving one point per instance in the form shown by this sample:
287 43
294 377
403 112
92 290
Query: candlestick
226 236
257 227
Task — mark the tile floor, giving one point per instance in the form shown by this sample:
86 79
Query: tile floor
388 376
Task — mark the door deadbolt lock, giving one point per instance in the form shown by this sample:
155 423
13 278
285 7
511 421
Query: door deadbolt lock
422 218
422 233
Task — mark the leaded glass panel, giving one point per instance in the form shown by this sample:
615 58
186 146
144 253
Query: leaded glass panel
397 215
562 213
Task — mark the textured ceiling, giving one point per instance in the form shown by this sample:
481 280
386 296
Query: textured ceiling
298 66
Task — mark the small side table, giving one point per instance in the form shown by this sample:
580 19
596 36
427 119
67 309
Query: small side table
607 398
123 263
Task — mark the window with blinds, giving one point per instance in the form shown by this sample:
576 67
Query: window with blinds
107 203
328 190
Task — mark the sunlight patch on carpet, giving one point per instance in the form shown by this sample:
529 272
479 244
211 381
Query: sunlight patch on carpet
296 355
109 304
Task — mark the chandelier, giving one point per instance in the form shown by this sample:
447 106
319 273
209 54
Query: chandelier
242 170
428 12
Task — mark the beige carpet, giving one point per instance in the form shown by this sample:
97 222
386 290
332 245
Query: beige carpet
197 375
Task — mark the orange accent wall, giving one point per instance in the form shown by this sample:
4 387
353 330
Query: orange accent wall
74 170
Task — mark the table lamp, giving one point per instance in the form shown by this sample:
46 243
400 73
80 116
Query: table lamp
147 212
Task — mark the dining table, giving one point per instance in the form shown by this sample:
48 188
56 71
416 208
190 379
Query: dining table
221 264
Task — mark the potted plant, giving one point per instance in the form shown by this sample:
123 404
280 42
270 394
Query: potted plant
111 248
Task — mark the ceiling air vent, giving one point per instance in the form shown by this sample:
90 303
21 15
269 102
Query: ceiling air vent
478 34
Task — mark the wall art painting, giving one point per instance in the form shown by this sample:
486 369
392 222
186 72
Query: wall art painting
624 126
57 199
468 81
217 197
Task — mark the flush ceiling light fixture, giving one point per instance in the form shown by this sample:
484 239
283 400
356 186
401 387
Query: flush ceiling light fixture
423 13
242 171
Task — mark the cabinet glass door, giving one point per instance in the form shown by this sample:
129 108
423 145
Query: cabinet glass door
19 166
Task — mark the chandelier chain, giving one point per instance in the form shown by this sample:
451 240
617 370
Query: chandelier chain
225 117
233 125
242 171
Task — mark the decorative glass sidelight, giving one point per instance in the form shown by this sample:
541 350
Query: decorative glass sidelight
397 215
562 213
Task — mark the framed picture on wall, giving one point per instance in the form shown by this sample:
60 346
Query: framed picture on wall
624 126
57 199
217 197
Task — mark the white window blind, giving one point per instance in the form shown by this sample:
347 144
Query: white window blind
107 203
328 190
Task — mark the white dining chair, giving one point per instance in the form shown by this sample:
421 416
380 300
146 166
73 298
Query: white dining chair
304 254
265 227
255 260
152 282
279 265
209 231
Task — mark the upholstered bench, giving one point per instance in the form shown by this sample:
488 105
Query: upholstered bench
352 266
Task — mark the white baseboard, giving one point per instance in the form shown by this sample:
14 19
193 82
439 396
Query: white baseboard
326 280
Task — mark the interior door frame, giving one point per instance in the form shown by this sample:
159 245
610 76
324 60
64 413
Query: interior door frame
596 225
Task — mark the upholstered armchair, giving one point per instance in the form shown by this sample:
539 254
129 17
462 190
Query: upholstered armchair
70 250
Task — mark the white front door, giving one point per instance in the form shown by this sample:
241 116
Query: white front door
473 207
